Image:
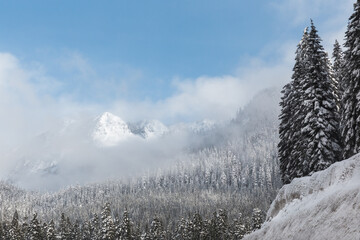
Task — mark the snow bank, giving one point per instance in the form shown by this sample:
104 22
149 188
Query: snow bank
325 205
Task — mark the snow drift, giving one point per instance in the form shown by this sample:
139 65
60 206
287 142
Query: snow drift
325 205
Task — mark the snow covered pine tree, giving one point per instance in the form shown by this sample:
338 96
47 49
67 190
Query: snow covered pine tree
320 128
309 124
350 117
107 224
290 117
338 65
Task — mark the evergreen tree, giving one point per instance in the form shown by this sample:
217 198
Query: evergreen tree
157 230
64 228
289 147
86 230
222 224
136 232
206 229
319 129
25 228
75 231
218 227
146 234
35 229
107 224
1 231
15 231
5 231
44 229
257 218
50 232
182 231
309 119
238 228
126 231
95 227
350 118
338 59
197 226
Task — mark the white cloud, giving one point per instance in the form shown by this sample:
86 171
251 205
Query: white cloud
19 102
27 106
298 11
330 16
216 98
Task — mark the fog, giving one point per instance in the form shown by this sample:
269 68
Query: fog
68 155
52 161
46 136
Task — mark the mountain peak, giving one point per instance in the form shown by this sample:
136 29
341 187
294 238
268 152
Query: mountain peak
106 116
110 129
151 129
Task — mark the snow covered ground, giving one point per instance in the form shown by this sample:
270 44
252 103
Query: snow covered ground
323 206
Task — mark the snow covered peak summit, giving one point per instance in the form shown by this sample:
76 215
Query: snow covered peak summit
149 129
110 129
107 116
202 126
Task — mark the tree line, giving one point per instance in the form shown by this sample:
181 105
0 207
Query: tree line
110 227
320 107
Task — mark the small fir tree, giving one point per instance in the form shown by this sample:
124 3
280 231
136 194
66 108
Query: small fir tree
50 232
15 231
107 224
157 230
35 229
338 68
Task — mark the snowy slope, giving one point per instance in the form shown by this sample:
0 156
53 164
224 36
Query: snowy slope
325 205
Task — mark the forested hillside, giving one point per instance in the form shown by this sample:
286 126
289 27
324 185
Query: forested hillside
237 174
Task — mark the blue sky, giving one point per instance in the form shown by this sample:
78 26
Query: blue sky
164 38
171 60
160 39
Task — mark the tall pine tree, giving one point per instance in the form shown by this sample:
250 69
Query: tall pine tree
309 119
291 117
350 117
319 129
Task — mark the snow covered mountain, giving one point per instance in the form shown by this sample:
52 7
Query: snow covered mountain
110 130
86 140
149 129
325 205
203 126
